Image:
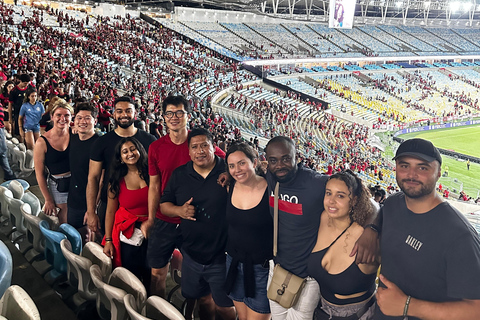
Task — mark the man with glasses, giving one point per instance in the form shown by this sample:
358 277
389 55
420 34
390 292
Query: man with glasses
101 157
80 147
165 155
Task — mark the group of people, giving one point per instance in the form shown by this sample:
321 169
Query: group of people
165 194
145 197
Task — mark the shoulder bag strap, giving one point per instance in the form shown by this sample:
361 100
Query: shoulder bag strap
275 219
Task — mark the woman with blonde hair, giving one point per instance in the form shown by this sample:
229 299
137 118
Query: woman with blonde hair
51 159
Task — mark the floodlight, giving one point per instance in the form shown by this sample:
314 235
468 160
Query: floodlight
454 6
466 6
398 4
426 4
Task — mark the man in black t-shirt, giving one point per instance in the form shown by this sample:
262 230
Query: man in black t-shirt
430 252
153 128
16 98
80 147
193 194
101 157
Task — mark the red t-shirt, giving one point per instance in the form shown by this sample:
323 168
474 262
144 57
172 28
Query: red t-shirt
164 156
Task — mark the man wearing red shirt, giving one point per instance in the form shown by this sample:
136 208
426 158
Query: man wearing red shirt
165 155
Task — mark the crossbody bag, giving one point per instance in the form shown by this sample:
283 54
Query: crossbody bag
285 287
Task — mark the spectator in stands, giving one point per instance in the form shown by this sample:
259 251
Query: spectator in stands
430 252
4 97
80 149
188 196
29 118
346 288
155 129
102 156
7 171
125 234
250 234
51 154
45 121
16 99
165 155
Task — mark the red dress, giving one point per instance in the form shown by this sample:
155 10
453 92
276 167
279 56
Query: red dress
133 207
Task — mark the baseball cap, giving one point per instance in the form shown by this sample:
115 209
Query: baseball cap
419 148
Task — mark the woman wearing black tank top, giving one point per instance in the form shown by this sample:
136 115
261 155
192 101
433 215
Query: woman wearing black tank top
347 289
250 235
52 152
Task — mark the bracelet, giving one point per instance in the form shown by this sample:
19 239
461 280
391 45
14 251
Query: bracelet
108 239
405 310
374 228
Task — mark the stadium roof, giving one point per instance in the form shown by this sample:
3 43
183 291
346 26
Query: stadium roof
378 10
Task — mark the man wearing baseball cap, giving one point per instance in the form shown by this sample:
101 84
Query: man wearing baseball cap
430 253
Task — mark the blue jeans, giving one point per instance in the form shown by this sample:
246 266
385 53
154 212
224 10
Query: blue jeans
3 154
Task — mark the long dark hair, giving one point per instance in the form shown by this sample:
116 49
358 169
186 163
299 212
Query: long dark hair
362 207
5 87
118 169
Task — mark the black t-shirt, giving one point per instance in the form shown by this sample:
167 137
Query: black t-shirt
433 256
104 151
153 128
79 162
300 205
17 96
203 239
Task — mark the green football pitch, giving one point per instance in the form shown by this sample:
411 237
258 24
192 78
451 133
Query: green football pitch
465 140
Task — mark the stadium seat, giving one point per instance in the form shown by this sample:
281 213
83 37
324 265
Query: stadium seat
53 253
94 252
175 274
17 189
5 216
155 308
34 235
110 296
33 201
73 236
6 268
78 274
16 304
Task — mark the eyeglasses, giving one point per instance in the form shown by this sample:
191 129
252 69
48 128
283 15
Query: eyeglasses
178 114
86 118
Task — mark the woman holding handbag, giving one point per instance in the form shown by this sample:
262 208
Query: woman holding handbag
347 289
127 208
250 234
51 153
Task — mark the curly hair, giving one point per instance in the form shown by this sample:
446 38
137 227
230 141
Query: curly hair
118 169
361 207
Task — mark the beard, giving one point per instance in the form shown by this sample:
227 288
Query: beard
416 192
124 125
287 177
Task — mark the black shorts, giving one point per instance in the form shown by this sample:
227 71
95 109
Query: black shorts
164 238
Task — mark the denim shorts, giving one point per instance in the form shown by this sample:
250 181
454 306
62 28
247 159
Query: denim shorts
35 128
58 197
259 303
199 280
